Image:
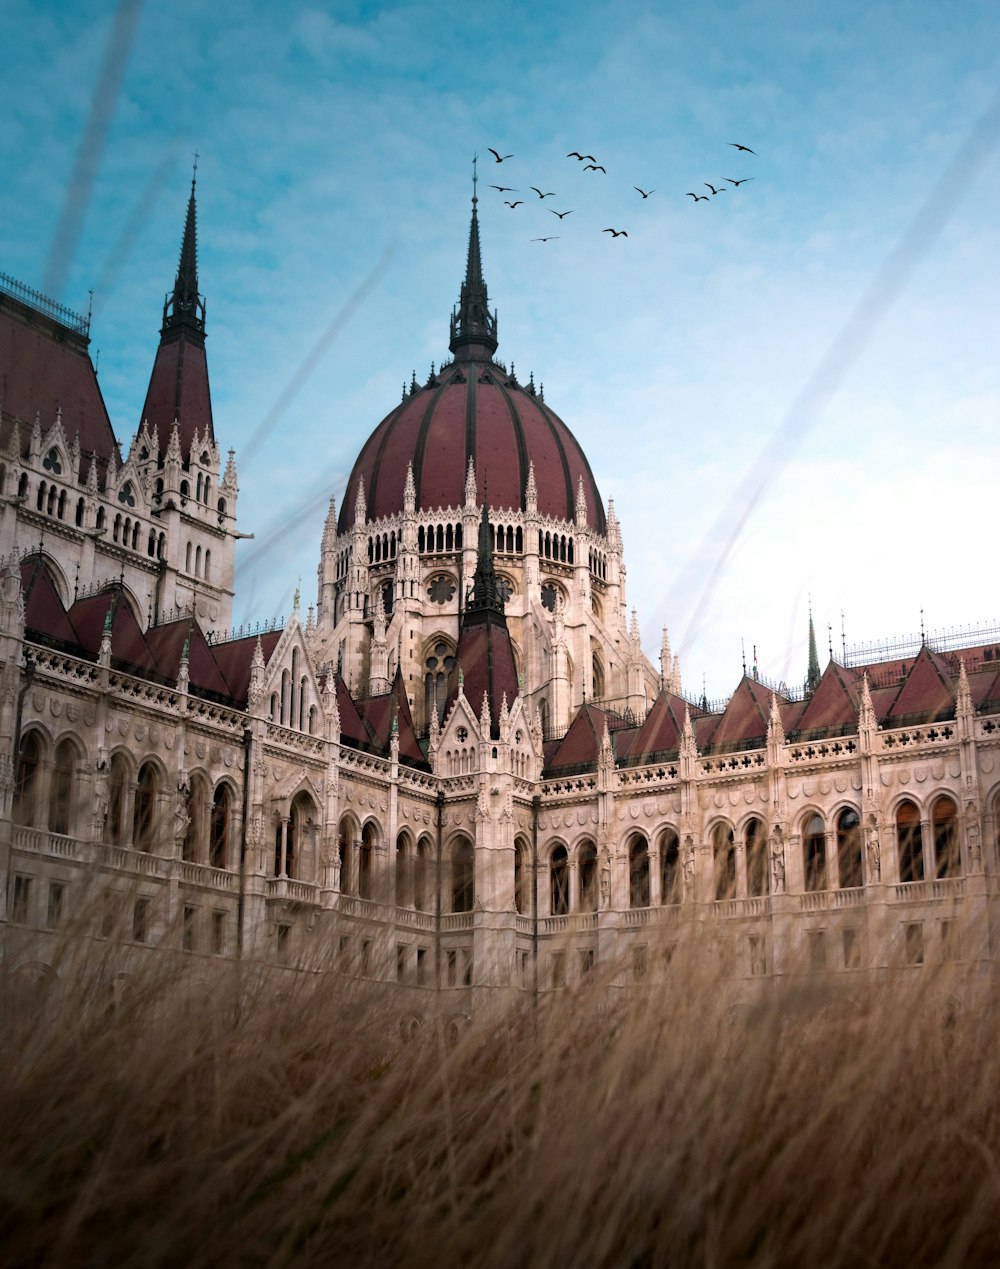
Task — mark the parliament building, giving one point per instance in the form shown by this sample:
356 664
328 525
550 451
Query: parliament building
457 770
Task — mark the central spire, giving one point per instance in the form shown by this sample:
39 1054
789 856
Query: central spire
185 307
473 328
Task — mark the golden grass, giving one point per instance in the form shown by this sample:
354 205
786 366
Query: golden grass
227 1123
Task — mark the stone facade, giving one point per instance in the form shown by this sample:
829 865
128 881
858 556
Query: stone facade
334 793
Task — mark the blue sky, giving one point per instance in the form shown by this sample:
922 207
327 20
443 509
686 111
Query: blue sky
335 145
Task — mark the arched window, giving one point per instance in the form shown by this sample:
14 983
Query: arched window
944 818
29 763
208 565
522 869
559 882
758 882
724 862
438 669
588 877
299 823
670 873
144 808
115 828
187 558
849 849
597 671
403 862
463 874
218 829
197 808
366 860
421 896
61 789
909 843
344 839
638 872
814 853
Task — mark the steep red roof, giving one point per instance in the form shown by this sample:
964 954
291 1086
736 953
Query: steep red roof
377 712
927 690
352 729
128 643
235 658
835 701
746 714
486 659
581 745
44 613
178 389
661 731
166 645
45 368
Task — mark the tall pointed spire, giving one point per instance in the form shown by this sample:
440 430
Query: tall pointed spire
812 675
473 327
185 307
485 591
178 391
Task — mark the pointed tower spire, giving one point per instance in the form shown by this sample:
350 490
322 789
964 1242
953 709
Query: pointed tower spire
812 675
178 387
185 307
473 328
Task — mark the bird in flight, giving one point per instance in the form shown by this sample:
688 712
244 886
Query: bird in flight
745 148
646 192
712 188
516 203
550 194
561 214
618 233
575 154
499 157
595 167
509 189
550 238
738 183
698 198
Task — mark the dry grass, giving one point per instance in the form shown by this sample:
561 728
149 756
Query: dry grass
654 1126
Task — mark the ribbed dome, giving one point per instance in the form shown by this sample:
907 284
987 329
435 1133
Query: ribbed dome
472 409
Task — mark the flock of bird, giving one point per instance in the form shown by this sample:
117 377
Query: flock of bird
591 165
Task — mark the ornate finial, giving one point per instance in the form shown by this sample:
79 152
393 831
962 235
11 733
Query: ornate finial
470 484
409 490
485 591
295 598
775 729
812 674
475 178
461 681
360 507
185 307
531 490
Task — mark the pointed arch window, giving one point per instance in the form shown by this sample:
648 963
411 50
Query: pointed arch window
559 882
462 876
849 864
61 789
814 853
218 829
638 870
144 808
588 877
115 825
724 862
909 843
28 778
670 872
944 819
758 881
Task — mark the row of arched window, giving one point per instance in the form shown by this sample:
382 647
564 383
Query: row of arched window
599 564
382 547
196 563
291 707
555 546
436 539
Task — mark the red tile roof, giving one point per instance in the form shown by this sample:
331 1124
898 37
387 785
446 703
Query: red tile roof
178 389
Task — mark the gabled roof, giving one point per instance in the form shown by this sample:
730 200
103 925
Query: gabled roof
44 613
235 659
746 714
128 644
926 692
377 713
581 745
353 731
834 703
661 731
166 646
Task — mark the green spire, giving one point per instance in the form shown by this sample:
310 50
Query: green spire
812 675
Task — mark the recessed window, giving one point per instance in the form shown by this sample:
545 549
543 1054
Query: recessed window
51 462
441 589
505 588
57 904
126 494
549 594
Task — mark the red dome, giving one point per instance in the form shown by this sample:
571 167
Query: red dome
472 409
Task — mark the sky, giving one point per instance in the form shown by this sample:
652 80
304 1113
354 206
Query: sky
791 390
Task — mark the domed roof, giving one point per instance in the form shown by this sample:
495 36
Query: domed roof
472 409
